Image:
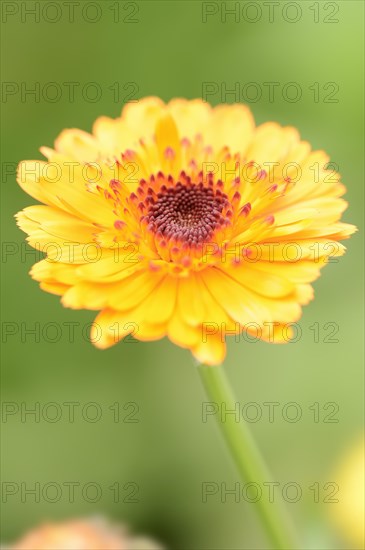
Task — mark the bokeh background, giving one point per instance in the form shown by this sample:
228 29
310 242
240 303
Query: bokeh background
164 48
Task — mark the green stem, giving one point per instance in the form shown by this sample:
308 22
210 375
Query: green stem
247 457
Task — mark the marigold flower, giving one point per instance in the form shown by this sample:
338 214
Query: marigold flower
186 221
348 512
83 534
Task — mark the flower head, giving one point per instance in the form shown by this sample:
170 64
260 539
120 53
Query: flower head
347 511
83 534
184 220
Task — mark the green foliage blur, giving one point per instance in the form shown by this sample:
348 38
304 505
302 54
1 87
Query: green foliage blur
166 49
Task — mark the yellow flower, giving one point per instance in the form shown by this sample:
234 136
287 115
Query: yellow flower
83 534
348 513
183 220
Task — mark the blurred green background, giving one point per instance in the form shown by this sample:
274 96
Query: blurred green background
169 51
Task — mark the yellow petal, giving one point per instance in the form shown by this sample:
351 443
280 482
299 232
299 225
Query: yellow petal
191 117
212 352
271 143
55 223
168 145
267 283
143 115
78 145
190 303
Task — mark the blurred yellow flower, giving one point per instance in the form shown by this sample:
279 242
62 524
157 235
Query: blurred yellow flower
90 534
185 221
349 513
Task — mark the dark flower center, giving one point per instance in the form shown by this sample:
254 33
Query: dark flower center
188 212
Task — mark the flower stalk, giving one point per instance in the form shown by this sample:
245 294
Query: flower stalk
247 458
